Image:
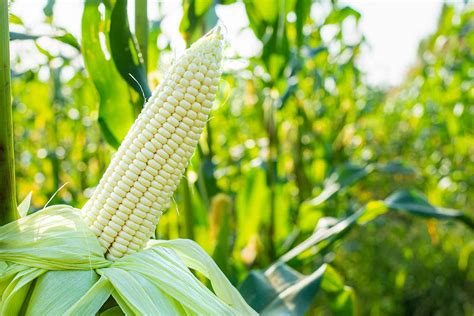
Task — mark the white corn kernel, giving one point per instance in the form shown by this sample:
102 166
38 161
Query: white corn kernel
189 97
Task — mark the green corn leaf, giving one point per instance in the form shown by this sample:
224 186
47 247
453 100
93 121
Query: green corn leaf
49 8
341 297
65 37
344 176
349 174
201 6
14 19
280 290
15 36
395 167
415 203
125 52
68 38
198 18
373 210
324 234
409 201
337 16
116 112
266 10
300 294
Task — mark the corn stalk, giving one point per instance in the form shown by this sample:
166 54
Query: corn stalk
7 161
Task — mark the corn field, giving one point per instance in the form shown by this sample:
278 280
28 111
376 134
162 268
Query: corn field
154 163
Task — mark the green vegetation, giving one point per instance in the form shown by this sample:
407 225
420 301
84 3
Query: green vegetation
308 186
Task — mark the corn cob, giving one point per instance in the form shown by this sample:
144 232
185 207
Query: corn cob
144 173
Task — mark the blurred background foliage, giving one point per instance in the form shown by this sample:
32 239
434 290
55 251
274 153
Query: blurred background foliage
297 139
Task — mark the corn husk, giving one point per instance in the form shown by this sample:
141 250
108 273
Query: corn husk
56 291
92 301
54 238
197 259
52 264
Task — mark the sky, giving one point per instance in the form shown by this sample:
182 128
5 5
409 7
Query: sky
393 29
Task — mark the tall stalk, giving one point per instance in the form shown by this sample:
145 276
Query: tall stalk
271 127
188 217
8 211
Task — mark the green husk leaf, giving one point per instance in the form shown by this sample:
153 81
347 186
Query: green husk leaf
138 295
166 303
196 258
49 263
54 238
24 205
93 300
56 291
165 271
8 273
14 295
129 295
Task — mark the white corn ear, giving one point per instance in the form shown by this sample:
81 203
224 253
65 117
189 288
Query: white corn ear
140 181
